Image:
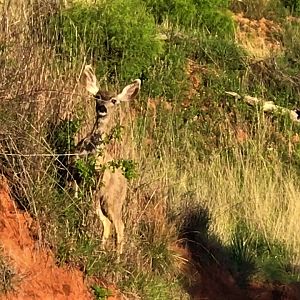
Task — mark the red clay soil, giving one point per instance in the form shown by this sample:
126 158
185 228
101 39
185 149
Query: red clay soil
38 276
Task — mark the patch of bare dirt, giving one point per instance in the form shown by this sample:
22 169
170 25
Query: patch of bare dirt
38 276
258 37
193 71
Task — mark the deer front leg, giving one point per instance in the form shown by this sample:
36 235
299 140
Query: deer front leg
105 222
76 189
119 225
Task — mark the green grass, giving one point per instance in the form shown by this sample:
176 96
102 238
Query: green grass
100 292
256 257
110 33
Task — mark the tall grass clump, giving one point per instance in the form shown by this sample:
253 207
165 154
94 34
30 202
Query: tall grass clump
254 256
8 276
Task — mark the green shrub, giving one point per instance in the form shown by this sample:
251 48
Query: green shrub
217 22
257 9
62 136
127 166
292 5
223 54
101 293
210 15
214 17
168 77
86 170
178 11
120 35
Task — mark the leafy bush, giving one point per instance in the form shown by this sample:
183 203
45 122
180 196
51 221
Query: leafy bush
127 166
168 76
111 32
210 15
257 9
101 293
224 54
62 136
86 170
292 5
179 11
217 22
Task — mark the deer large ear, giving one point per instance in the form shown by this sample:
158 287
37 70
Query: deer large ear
90 80
130 91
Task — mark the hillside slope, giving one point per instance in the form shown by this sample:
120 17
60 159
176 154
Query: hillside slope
183 144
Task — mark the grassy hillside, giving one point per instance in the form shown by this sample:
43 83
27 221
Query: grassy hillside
187 146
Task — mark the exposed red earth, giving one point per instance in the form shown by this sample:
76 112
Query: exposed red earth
38 277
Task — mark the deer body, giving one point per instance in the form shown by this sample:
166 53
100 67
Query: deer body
111 188
110 198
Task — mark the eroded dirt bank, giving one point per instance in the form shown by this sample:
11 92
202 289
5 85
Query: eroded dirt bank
37 275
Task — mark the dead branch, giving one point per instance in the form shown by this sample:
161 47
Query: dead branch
268 106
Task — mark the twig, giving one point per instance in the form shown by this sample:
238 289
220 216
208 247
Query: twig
43 154
3 98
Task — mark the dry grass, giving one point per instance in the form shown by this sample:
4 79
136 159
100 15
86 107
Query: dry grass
257 37
256 187
8 278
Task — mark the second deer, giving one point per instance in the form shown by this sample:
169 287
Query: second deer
111 189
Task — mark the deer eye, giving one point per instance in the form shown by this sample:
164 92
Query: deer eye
113 101
98 96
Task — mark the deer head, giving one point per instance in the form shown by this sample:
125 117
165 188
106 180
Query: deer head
106 101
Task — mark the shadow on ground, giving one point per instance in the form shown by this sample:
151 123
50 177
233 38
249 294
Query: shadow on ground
211 273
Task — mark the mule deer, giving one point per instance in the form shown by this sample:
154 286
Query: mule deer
110 192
